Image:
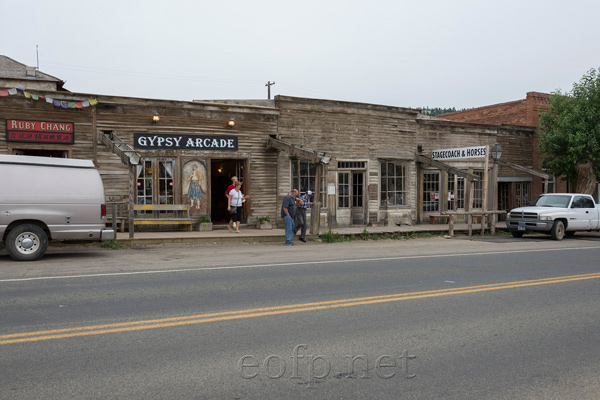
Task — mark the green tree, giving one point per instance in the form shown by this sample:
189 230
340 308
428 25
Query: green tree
570 133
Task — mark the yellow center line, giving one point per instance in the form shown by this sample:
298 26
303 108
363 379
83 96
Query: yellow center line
268 311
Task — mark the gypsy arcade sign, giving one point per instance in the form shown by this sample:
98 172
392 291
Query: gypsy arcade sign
18 130
184 142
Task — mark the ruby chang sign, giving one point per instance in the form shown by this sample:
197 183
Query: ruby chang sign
18 130
184 142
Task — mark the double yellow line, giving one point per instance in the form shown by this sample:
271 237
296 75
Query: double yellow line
267 311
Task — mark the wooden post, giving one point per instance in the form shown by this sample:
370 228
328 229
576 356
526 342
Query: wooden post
315 211
468 203
114 217
485 180
420 199
132 187
444 192
495 198
94 137
484 203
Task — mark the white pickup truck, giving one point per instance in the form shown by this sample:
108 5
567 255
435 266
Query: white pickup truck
558 214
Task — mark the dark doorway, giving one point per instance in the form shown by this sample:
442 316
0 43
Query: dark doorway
221 173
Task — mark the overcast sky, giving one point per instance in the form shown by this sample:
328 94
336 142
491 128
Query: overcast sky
417 53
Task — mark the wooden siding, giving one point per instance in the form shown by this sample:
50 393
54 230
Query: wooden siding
253 126
344 131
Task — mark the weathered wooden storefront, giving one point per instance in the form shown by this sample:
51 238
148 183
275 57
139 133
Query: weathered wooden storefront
380 169
443 189
367 164
190 154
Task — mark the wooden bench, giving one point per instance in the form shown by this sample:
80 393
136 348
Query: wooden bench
432 218
150 214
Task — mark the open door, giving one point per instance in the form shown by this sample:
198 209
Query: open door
221 173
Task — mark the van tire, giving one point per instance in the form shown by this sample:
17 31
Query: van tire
26 242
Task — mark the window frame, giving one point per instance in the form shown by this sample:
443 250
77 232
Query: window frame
385 180
296 169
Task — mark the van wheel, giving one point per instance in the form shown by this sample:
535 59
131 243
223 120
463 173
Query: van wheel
558 230
26 242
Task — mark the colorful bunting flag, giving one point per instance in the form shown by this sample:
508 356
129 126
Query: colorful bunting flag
50 100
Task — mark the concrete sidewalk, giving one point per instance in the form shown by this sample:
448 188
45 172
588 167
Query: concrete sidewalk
249 234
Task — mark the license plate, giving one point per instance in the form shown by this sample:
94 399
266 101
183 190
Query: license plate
521 227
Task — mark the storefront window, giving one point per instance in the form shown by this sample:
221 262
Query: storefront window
521 194
153 187
431 191
393 184
304 177
144 182
165 182
456 192
344 190
478 190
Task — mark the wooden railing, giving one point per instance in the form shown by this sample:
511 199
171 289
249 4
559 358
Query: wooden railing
469 216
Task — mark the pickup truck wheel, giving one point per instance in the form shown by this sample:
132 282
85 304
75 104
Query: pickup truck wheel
558 230
26 242
517 234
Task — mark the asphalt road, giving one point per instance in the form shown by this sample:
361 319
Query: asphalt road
497 318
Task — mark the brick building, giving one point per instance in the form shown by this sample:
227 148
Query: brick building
523 112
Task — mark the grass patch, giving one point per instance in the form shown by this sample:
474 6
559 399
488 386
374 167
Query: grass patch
111 244
364 235
331 237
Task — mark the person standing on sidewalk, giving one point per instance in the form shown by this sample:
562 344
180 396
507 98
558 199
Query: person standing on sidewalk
300 216
234 179
288 209
235 202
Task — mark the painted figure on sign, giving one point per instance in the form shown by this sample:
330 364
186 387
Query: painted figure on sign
195 191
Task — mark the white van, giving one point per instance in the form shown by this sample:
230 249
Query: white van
43 198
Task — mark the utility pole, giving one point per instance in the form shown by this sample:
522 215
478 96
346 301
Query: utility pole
268 85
